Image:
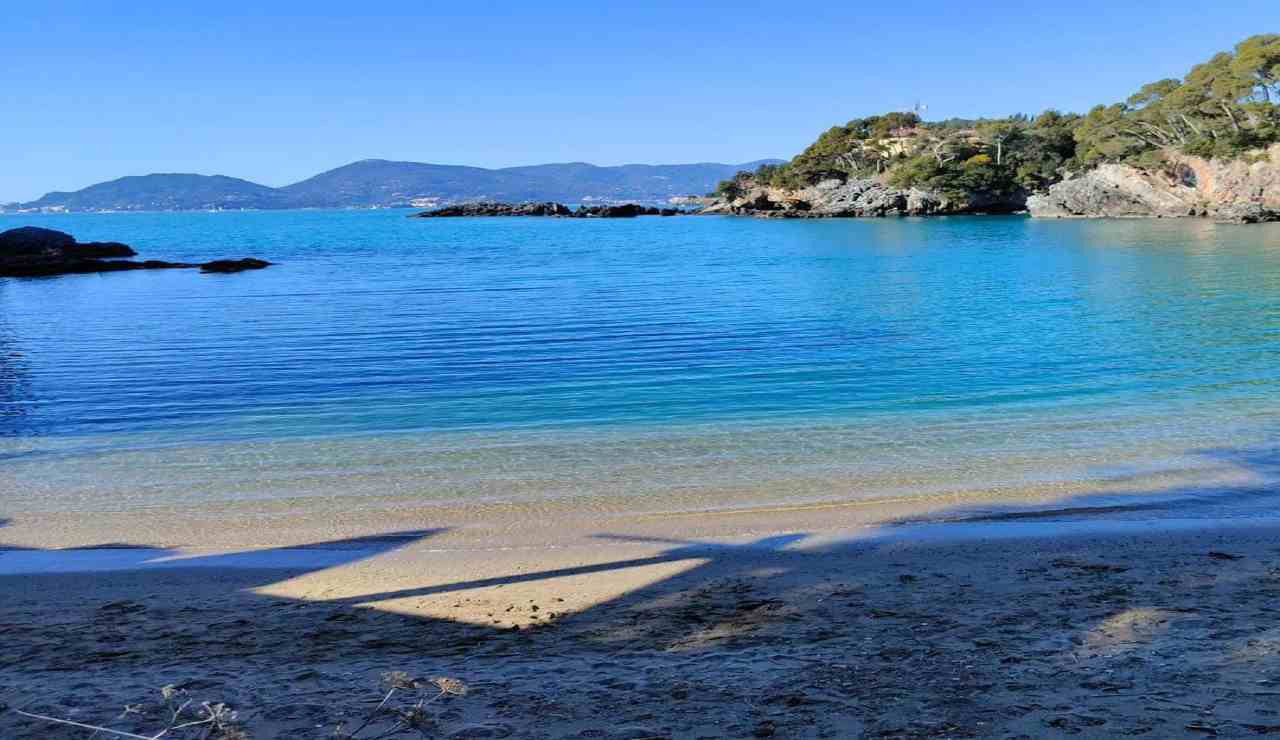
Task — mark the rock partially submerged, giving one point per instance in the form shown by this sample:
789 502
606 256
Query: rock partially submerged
30 251
559 210
489 208
240 265
628 210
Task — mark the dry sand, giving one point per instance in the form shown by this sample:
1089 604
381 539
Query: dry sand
991 630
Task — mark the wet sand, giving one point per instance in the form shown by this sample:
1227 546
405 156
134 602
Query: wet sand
994 629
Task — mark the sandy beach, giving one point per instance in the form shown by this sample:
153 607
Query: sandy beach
787 628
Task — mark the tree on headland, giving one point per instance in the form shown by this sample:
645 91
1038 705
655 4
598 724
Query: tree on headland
1224 107
1257 60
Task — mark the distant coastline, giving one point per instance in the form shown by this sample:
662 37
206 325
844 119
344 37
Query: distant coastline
377 183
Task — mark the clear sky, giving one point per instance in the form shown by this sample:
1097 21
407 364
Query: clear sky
278 91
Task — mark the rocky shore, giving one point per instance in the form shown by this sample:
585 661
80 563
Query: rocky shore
857 197
34 252
1235 191
559 210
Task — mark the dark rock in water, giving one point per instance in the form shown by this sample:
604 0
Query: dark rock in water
35 252
32 240
101 250
74 266
628 210
240 265
498 209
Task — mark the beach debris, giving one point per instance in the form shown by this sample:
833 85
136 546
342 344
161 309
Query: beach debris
208 721
389 719
450 686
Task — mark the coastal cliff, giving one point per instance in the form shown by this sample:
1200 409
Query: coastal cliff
1244 190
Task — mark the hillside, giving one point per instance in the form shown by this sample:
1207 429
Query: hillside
381 183
1196 146
163 192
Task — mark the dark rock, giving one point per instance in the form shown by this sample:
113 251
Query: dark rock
228 266
32 240
32 252
35 252
101 250
626 210
76 266
498 209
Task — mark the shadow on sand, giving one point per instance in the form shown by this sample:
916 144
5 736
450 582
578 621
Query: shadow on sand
882 636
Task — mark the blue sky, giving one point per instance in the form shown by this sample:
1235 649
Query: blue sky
278 91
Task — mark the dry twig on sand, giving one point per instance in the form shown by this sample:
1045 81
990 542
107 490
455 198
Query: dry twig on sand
386 721
211 721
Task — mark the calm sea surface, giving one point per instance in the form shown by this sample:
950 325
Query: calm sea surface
692 358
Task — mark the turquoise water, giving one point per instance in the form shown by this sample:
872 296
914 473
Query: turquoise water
505 358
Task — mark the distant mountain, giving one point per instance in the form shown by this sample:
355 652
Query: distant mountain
173 192
382 183
378 182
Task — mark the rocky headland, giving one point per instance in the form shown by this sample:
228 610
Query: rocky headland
30 251
557 210
1206 145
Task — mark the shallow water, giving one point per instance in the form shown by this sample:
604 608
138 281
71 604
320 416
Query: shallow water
692 360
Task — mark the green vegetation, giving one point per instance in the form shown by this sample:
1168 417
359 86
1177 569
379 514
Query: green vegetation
1223 109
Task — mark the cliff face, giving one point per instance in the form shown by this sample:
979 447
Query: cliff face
1236 190
856 197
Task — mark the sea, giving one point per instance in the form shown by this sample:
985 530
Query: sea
682 363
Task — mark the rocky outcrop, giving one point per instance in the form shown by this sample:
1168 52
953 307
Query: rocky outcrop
1246 213
489 208
1117 191
229 266
857 197
628 210
1245 190
34 252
